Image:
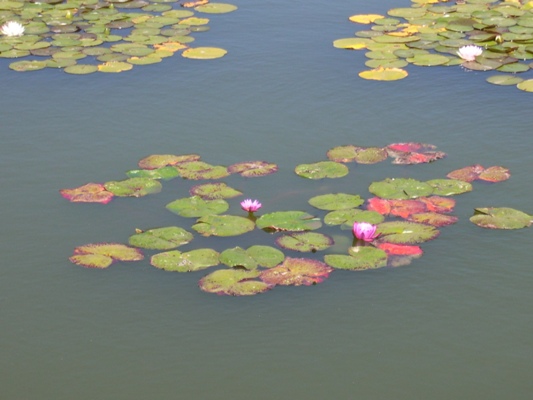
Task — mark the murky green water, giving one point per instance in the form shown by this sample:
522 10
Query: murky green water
454 324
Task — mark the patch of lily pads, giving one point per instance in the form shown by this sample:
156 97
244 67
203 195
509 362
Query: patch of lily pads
403 214
84 37
479 35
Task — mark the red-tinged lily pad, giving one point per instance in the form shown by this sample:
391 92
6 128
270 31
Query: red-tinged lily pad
322 169
449 187
161 238
400 249
223 225
400 188
467 174
379 205
197 170
361 258
213 191
254 256
348 217
433 219
233 282
501 218
165 173
336 201
400 232
194 260
195 207
161 160
251 169
438 204
102 255
404 208
89 193
413 153
305 241
133 187
495 174
296 271
288 221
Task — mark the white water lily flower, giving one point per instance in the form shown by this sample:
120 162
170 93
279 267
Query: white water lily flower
469 53
12 28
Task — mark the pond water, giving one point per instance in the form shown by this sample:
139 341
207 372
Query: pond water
456 323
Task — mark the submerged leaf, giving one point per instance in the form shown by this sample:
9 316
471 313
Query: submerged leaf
336 201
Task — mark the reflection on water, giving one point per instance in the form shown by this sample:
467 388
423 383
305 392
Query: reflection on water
455 323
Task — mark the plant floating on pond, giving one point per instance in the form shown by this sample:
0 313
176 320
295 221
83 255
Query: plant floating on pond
250 205
364 231
389 227
480 35
83 37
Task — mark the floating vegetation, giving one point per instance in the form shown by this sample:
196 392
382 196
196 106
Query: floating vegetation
383 230
479 35
86 36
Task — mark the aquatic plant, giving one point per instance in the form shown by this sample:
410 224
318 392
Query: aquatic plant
12 28
403 214
480 35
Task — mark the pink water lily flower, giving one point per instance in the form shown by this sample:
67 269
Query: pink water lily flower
364 231
250 205
469 53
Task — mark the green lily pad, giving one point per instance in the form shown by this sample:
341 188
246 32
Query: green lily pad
323 169
288 221
449 187
194 260
133 187
296 271
361 155
336 201
89 193
399 232
428 60
161 160
161 238
400 188
233 282
204 53
526 86
348 217
216 8
223 225
504 80
114 66
501 218
384 74
251 169
266 256
238 257
305 241
197 170
159 173
23 66
80 69
253 257
197 207
213 191
353 43
102 255
361 258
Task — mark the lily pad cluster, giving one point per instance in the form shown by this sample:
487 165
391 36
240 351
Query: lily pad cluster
437 33
86 36
291 249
